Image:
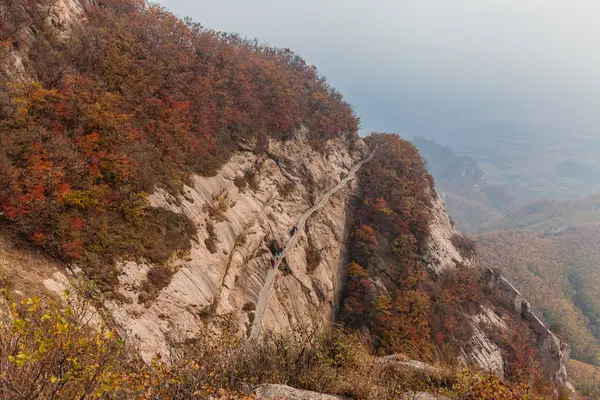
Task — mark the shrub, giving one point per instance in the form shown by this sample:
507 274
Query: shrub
211 241
157 278
313 258
52 351
466 246
251 179
220 204
46 351
240 182
240 240
287 189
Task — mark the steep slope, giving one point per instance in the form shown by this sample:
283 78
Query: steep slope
558 272
414 293
168 164
132 100
445 165
230 262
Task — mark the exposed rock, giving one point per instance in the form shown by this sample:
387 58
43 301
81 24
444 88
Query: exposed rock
276 392
483 351
208 284
413 365
553 352
442 253
61 17
423 396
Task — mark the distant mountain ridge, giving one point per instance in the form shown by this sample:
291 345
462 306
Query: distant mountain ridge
470 198
550 216
444 164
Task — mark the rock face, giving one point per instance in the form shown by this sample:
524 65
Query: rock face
62 16
484 352
273 392
276 392
442 253
251 202
554 353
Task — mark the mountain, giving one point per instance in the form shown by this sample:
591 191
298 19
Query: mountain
187 214
445 165
532 162
550 248
470 198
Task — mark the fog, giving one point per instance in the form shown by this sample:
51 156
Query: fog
429 66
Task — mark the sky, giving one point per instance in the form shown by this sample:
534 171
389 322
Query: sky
432 66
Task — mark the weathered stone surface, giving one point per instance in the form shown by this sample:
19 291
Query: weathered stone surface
442 253
413 365
277 392
229 280
554 354
423 396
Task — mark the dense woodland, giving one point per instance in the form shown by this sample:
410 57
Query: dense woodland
132 99
392 295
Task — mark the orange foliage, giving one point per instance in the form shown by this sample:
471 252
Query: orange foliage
135 98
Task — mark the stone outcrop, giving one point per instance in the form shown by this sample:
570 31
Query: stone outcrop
483 351
251 202
62 17
442 253
275 392
554 354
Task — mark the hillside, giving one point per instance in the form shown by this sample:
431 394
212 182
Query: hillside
188 214
550 248
128 109
550 216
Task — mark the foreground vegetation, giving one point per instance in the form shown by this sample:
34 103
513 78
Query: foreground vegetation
61 350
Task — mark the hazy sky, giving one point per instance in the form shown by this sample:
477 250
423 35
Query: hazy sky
418 66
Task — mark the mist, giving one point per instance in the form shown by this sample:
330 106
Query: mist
435 66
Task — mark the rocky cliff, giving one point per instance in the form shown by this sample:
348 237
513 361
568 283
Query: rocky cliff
554 353
244 213
252 203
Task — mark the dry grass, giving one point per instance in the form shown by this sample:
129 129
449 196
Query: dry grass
52 350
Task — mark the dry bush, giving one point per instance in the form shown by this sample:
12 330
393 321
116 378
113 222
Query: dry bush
240 182
240 239
466 246
313 258
54 351
157 278
220 204
251 179
287 189
211 241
